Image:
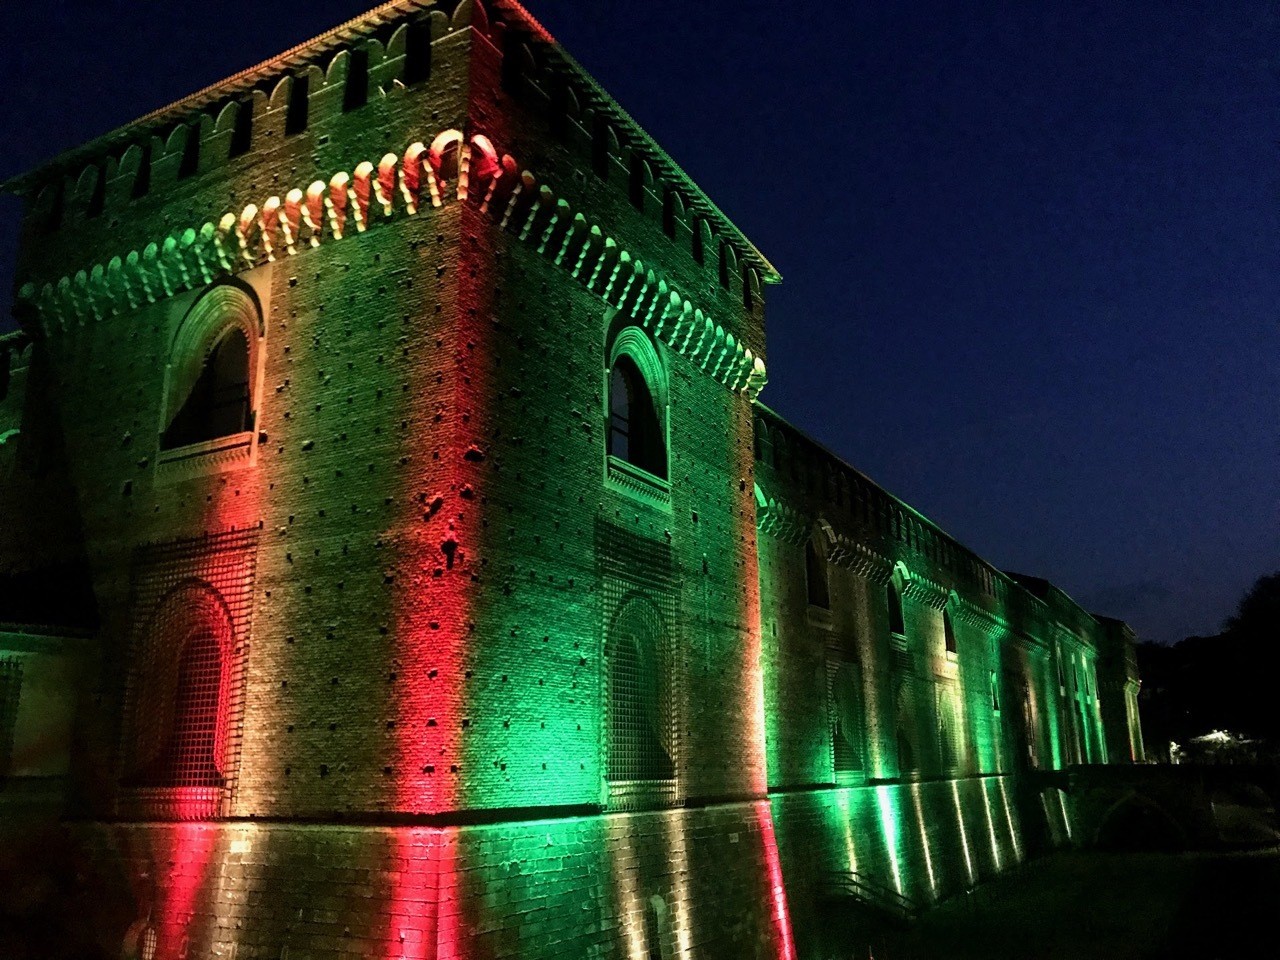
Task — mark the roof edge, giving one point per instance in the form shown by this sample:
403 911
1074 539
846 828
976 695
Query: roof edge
1010 579
239 82
332 41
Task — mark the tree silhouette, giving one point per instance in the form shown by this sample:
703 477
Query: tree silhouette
1258 615
1223 682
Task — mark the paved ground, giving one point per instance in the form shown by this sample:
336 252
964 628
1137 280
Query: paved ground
1098 906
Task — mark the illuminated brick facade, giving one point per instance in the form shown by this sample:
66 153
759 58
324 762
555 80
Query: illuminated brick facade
453 595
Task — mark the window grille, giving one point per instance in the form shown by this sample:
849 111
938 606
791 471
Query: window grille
179 685
183 696
639 672
640 730
186 751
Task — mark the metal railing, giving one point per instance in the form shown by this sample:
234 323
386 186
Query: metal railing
866 890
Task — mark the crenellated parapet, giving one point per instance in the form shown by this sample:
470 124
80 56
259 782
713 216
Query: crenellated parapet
592 123
865 525
230 123
1072 624
387 52
850 499
453 169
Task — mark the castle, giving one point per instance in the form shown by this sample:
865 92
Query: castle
397 560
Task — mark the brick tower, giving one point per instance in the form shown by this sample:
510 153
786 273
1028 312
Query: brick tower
400 395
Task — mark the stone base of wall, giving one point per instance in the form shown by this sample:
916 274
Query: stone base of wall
904 847
745 880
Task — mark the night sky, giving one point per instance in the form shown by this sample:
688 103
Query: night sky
1032 256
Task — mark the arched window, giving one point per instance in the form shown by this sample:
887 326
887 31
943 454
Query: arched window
948 632
815 573
656 928
641 731
635 429
179 692
218 404
190 757
209 391
897 623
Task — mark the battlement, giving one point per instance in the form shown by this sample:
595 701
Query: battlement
847 500
232 123
423 178
228 127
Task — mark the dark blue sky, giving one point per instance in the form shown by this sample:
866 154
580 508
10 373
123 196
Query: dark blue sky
1032 256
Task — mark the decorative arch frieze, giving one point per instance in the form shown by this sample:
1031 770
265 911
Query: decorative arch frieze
452 169
979 618
783 522
780 521
920 588
864 562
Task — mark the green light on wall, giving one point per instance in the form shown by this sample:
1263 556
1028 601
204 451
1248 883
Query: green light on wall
923 829
1008 819
846 827
890 831
991 824
964 833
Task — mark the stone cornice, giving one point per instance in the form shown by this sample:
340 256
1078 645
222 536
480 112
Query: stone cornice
399 186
